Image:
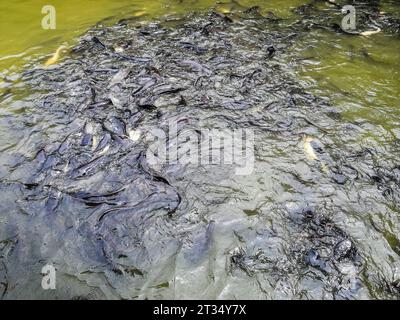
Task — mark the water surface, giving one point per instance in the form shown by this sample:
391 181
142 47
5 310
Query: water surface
200 232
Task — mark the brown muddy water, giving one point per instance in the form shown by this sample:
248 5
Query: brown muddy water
315 217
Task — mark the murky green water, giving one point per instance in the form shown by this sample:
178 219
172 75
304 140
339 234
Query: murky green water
361 74
225 221
22 36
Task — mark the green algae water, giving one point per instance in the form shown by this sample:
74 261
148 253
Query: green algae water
77 192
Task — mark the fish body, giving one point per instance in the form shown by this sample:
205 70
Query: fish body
139 13
115 126
309 149
55 57
119 77
365 33
223 9
95 141
103 143
86 139
86 168
369 33
134 135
